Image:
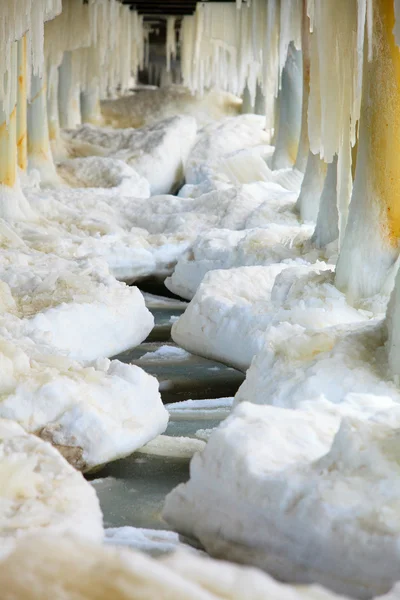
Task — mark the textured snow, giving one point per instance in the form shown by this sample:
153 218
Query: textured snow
172 446
70 568
282 490
249 303
93 414
144 107
154 541
157 152
41 491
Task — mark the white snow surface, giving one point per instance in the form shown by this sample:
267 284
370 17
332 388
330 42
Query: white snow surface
157 152
145 107
235 311
153 541
40 491
285 491
93 414
71 568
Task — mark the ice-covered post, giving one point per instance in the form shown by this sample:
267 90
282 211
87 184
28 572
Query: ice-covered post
69 103
8 126
327 227
290 97
302 153
371 241
90 106
311 188
22 123
39 152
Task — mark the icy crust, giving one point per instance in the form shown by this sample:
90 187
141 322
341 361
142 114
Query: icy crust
278 489
157 152
144 107
100 172
74 569
71 306
218 139
92 414
139 237
332 367
250 303
225 249
41 491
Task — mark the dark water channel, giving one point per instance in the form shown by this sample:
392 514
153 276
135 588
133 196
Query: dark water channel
132 490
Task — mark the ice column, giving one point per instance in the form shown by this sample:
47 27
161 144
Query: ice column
22 147
69 103
39 152
287 142
371 241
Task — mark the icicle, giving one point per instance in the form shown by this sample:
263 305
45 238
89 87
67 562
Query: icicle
327 227
170 50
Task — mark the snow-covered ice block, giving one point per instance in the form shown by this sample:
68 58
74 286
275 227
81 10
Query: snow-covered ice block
91 414
272 489
234 311
335 366
224 249
74 307
219 139
144 107
40 491
157 152
100 172
45 568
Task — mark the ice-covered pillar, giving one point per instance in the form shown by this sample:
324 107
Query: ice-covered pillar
371 241
52 104
311 188
327 228
90 106
259 106
39 152
22 148
247 106
69 102
8 126
304 145
290 99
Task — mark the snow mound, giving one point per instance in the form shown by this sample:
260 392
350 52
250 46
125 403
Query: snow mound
333 366
225 249
145 107
272 489
157 152
92 414
235 311
71 306
100 172
72 569
41 491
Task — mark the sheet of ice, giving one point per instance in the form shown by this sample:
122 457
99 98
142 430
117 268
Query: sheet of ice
41 491
248 303
152 541
176 447
157 152
92 414
71 568
217 408
167 353
280 489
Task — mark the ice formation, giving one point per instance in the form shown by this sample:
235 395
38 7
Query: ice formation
75 568
40 491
